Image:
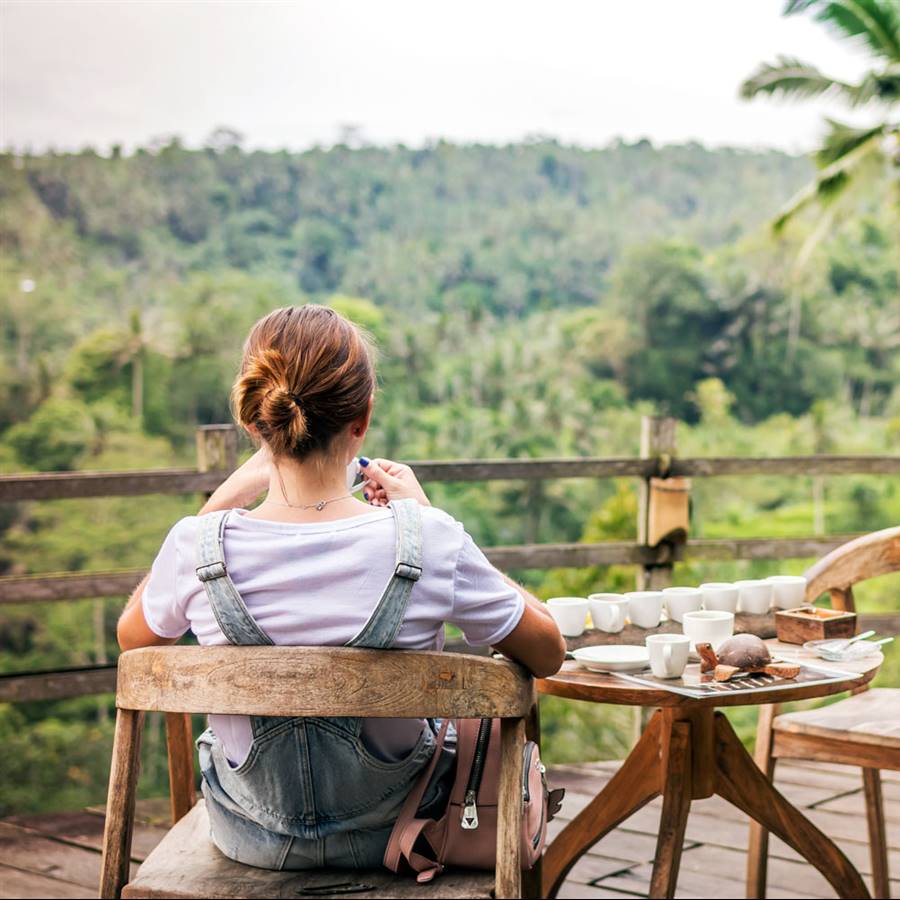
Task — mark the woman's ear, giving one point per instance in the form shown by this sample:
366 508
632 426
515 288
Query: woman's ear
361 426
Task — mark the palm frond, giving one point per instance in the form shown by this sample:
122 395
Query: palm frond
876 22
843 139
833 180
881 87
790 78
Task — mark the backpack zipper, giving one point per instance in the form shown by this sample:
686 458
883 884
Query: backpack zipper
526 792
470 808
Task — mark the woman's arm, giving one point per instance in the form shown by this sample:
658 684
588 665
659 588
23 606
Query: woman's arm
240 489
536 641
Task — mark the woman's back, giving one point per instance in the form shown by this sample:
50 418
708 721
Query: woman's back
317 584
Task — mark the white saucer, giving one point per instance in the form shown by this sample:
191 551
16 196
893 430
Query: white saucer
612 658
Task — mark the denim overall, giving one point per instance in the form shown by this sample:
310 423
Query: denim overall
310 793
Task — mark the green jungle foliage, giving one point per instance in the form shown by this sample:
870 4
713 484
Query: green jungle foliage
530 300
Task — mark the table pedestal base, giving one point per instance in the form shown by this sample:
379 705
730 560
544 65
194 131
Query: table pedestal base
690 754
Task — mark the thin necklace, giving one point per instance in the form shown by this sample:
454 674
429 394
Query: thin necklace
319 506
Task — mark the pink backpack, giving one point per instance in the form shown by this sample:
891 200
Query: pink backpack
466 835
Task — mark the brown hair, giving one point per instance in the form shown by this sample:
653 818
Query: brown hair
306 374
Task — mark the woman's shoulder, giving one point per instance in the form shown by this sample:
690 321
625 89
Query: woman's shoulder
186 531
442 532
439 520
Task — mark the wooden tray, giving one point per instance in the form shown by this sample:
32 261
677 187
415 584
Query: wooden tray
812 623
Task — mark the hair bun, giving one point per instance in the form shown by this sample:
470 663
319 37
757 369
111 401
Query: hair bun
282 418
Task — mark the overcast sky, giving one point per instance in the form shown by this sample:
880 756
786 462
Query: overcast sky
290 74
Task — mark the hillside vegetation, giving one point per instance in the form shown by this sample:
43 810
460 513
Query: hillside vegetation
529 300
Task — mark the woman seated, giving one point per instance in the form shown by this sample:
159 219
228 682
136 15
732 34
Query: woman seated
312 565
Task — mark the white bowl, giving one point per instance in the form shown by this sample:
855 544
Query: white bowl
613 658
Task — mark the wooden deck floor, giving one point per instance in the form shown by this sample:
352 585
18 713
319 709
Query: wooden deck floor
59 855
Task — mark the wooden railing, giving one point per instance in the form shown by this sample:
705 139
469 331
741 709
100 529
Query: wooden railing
217 456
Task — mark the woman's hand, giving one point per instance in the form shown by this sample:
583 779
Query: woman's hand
387 480
243 485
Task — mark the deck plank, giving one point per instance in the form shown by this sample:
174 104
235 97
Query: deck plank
15 883
85 829
25 850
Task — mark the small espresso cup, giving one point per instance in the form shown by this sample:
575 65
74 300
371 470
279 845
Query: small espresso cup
608 611
754 596
789 590
680 600
645 608
668 654
708 626
719 595
569 613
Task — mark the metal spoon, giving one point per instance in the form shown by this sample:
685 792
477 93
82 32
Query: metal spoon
860 637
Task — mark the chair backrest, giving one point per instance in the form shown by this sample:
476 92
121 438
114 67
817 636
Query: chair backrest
306 681
321 681
864 557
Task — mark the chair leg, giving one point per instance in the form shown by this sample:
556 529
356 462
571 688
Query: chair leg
509 810
877 834
123 776
758 844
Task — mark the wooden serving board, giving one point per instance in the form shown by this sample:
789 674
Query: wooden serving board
762 626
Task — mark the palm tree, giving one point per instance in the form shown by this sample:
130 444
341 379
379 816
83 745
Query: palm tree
847 153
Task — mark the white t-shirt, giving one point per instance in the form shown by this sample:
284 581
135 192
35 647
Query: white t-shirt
316 584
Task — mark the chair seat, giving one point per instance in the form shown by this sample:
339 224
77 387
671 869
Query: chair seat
186 863
871 717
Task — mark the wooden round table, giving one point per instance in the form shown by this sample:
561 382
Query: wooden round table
688 751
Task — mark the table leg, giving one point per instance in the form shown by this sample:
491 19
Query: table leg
741 783
676 806
635 784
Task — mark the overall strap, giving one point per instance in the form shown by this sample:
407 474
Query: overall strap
384 623
227 604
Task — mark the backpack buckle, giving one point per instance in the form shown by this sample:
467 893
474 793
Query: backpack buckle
211 571
405 570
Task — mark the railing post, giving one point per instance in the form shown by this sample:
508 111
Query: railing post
657 442
216 448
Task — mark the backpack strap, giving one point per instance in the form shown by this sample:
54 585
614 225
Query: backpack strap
231 613
407 828
384 623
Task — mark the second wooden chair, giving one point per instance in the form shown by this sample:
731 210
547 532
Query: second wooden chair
862 730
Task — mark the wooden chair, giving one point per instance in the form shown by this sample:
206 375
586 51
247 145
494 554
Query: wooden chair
861 730
299 681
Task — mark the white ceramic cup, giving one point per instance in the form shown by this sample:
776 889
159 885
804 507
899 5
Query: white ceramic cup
680 600
754 596
608 611
668 654
708 626
720 595
789 590
645 608
569 613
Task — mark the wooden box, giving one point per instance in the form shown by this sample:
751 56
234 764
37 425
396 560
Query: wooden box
811 623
